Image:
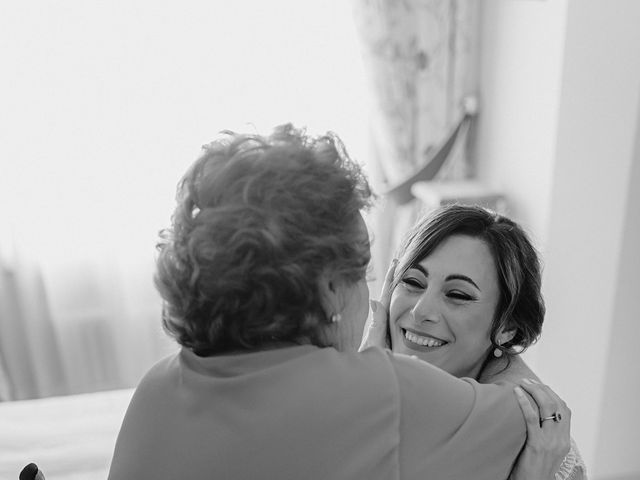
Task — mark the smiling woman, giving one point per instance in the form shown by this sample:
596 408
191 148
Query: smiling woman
465 296
443 306
467 289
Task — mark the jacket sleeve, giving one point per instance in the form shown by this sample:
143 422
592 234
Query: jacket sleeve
453 428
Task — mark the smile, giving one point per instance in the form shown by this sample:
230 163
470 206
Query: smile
426 342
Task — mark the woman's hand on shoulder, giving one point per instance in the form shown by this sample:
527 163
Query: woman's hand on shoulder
376 329
548 422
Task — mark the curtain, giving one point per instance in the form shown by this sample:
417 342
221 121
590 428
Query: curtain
105 104
421 60
31 356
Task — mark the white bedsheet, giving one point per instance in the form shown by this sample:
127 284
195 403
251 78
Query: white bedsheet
68 437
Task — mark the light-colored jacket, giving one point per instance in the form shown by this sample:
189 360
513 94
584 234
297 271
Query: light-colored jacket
311 413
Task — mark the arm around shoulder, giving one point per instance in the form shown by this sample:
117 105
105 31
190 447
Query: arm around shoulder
455 427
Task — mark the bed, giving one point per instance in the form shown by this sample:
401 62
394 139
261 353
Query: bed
70 437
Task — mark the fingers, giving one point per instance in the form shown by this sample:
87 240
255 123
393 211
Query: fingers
546 402
378 318
560 404
385 294
546 447
529 412
376 328
547 389
549 403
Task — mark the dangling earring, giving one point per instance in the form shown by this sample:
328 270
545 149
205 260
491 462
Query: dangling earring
497 352
335 317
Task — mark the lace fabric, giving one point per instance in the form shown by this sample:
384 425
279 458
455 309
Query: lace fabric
572 467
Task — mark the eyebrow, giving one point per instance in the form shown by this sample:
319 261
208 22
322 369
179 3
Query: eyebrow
453 276
464 278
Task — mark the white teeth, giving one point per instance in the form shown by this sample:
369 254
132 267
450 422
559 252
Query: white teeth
429 342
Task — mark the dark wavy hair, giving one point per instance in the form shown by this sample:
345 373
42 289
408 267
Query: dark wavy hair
520 306
258 220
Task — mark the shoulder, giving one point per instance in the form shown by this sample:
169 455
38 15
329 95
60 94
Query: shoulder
506 370
155 383
370 371
161 371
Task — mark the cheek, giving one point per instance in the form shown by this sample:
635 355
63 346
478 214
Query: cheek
399 307
476 331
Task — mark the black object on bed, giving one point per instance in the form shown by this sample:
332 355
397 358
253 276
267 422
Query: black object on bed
31 472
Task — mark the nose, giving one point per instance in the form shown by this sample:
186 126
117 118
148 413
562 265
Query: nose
427 308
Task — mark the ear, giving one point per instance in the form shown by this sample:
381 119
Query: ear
505 336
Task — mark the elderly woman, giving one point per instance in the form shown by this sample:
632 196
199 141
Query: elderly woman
263 277
465 296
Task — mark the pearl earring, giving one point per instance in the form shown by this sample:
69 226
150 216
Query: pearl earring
497 352
335 318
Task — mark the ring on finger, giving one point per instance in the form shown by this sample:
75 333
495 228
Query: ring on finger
555 416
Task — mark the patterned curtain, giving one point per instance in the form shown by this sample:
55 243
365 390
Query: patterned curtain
30 354
421 57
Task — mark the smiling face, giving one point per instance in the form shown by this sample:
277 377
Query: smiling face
443 307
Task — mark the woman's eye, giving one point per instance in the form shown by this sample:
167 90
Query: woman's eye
412 282
459 296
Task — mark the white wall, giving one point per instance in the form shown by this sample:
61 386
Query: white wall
588 220
521 55
619 430
560 85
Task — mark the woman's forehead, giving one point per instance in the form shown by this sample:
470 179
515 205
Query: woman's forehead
462 254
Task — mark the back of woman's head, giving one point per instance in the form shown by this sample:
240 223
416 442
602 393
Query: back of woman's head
521 306
258 220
